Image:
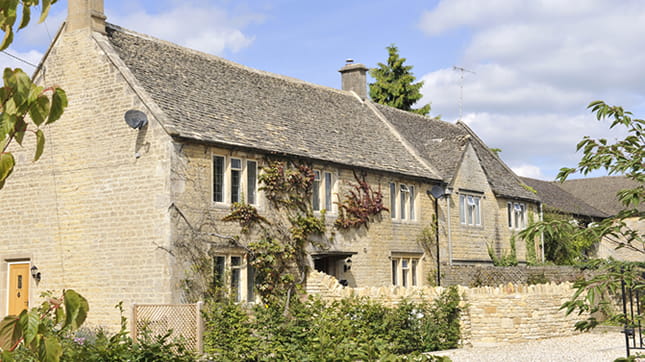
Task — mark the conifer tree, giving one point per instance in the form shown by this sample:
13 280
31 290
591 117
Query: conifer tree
394 85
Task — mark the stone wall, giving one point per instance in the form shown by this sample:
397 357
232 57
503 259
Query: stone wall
90 214
508 313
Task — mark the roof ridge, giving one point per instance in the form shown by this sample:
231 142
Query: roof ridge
226 61
491 153
411 149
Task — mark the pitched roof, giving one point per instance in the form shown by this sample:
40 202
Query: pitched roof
210 99
601 191
555 197
442 145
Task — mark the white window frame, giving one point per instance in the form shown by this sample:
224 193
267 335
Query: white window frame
406 270
516 215
244 180
245 276
403 201
323 191
470 213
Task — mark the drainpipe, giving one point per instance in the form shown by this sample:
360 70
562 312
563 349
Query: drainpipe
447 194
436 225
542 233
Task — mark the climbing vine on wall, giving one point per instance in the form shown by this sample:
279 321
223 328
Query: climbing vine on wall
247 215
360 205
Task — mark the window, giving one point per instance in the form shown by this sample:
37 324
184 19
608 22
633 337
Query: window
405 270
315 202
516 215
218 178
236 275
402 203
251 181
234 180
470 210
323 188
236 175
393 200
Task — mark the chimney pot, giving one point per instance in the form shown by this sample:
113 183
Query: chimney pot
353 78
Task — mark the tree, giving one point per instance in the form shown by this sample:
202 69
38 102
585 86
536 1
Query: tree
24 106
395 85
626 157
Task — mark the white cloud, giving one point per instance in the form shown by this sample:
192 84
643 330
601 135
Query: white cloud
202 26
531 171
537 65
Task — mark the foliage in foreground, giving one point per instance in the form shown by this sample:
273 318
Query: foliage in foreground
53 332
24 106
349 329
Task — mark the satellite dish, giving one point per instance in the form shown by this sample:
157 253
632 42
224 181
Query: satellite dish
136 119
437 191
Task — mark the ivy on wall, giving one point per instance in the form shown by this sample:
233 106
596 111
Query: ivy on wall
361 204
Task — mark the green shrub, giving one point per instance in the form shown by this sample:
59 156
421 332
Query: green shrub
348 329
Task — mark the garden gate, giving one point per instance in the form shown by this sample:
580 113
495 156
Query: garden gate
634 313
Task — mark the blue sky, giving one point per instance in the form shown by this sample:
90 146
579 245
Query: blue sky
536 64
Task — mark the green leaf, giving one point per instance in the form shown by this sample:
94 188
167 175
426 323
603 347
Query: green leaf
59 102
76 307
10 332
45 6
8 37
30 322
40 144
26 16
39 110
7 162
50 349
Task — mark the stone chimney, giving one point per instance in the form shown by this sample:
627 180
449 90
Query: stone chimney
353 78
85 14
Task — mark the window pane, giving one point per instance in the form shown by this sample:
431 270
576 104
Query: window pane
522 216
250 283
251 181
236 261
219 268
235 185
236 285
328 186
404 277
393 200
414 272
236 164
394 271
477 210
218 178
412 215
315 201
470 210
509 209
462 209
404 196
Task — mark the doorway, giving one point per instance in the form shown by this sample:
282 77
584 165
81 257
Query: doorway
18 287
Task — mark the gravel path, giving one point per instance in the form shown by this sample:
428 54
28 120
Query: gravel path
594 346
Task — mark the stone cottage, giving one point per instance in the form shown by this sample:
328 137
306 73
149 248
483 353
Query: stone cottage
109 206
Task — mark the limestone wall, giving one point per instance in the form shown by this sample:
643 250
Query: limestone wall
508 313
90 214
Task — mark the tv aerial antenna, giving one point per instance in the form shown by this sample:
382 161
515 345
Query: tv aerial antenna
461 71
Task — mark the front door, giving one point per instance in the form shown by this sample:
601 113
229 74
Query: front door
18 287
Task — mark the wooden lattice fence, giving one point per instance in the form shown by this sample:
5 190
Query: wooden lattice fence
185 321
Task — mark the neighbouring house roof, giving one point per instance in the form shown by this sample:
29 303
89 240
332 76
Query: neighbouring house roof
601 191
210 99
558 199
442 145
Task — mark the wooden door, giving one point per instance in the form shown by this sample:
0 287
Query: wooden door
18 287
